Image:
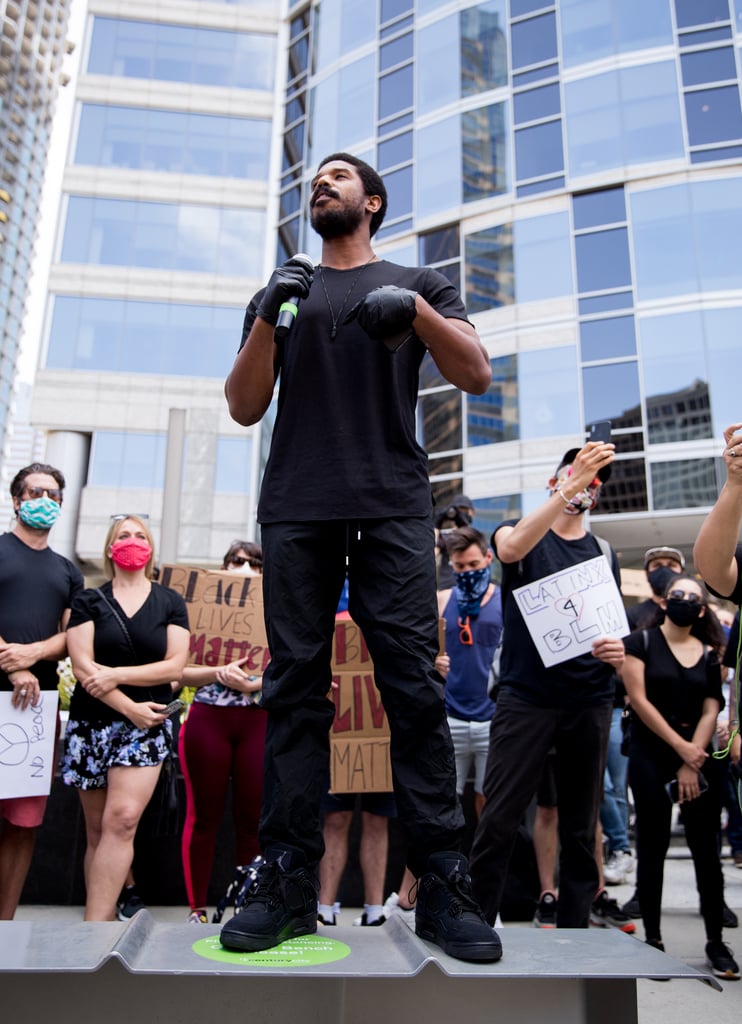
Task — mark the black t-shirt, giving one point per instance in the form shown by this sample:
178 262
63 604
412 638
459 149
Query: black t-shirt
581 681
677 692
147 629
344 443
36 589
645 615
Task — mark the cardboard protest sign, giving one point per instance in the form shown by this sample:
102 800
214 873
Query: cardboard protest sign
27 746
225 615
567 611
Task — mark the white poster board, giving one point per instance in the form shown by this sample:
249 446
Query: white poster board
568 611
27 746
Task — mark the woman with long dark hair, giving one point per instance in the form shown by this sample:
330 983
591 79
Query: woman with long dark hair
673 680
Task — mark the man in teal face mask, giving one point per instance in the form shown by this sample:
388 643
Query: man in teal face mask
37 586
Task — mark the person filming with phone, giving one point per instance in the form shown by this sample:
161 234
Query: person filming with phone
673 679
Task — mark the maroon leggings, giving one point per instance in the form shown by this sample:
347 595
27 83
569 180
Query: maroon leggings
216 744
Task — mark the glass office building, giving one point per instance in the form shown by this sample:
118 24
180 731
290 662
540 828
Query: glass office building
32 49
574 166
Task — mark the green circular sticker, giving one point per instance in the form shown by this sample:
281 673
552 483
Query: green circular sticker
303 951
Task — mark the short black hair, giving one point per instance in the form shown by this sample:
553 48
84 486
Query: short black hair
372 183
463 537
17 484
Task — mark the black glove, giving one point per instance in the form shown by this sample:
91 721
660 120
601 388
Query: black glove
292 280
386 314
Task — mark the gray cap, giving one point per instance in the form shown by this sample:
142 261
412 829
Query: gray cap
663 552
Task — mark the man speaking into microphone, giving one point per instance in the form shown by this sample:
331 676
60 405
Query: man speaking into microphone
346 489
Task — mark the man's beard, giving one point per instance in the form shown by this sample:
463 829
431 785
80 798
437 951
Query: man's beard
336 221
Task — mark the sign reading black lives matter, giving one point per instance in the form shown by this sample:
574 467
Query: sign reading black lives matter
225 615
568 611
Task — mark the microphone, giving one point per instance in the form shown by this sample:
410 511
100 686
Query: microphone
288 309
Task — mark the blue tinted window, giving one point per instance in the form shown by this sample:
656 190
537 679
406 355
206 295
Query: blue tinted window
548 393
533 41
232 472
117 232
438 168
394 9
341 26
708 66
395 150
520 7
663 243
693 12
536 103
602 260
395 52
684 483
707 35
611 392
536 75
484 148
127 460
161 140
675 378
399 190
546 185
142 337
623 117
610 338
484 50
438 65
542 257
489 268
395 91
713 115
604 206
592 29
343 108
440 245
605 303
493 417
717 213
538 150
703 156
180 53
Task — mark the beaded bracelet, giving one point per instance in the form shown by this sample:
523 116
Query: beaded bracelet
565 499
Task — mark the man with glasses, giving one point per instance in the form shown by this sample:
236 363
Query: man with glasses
37 586
473 616
566 706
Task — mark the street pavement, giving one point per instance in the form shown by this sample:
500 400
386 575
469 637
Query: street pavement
674 1002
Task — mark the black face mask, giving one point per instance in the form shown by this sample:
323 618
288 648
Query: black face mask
681 612
659 578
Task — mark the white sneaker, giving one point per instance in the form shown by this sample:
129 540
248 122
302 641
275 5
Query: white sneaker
393 909
618 867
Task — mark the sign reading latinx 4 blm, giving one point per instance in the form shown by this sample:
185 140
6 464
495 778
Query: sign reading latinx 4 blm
225 615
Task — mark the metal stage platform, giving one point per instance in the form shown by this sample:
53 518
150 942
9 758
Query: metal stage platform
179 974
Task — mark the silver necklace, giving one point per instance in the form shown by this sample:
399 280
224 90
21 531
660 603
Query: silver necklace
335 317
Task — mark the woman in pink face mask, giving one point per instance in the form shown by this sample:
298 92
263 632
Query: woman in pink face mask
128 642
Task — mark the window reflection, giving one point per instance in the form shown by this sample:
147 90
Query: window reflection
127 460
708 66
602 259
180 53
126 336
685 483
534 40
691 12
604 206
484 52
626 491
538 150
543 258
592 29
611 392
490 512
343 108
489 268
439 419
484 152
713 115
610 338
533 104
493 417
395 91
548 393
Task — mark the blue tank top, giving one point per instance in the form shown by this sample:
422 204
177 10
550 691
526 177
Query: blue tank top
466 683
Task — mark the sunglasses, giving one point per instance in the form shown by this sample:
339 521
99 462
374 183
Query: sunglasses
465 634
254 563
51 492
680 595
128 515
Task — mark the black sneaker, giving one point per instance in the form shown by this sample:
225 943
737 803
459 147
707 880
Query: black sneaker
631 907
129 903
447 914
720 960
281 904
729 918
605 913
546 911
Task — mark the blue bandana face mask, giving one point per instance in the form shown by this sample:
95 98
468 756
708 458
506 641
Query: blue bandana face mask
39 513
471 586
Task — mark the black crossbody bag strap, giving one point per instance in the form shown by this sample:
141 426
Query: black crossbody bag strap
121 623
